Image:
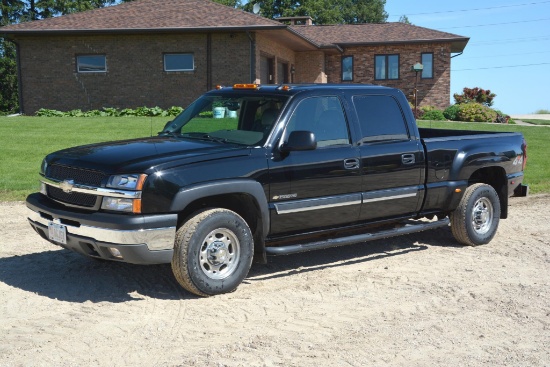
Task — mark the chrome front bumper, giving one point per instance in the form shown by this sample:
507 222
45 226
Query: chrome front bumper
139 239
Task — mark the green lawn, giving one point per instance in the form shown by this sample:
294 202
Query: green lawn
24 141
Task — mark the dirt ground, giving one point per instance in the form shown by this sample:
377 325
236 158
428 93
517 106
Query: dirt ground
419 300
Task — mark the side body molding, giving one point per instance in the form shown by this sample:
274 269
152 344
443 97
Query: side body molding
237 186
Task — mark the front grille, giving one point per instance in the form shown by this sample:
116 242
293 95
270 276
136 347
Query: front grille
80 176
73 198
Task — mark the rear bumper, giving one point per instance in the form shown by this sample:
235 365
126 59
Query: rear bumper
144 239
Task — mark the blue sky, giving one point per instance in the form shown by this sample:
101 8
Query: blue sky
505 36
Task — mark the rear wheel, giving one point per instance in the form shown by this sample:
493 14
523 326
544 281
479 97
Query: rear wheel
213 252
475 220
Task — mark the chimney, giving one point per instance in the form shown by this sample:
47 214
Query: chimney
304 20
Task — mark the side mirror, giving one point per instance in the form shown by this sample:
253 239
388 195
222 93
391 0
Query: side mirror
299 140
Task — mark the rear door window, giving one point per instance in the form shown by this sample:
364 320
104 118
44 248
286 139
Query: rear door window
380 119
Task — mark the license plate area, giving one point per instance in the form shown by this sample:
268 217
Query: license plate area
57 233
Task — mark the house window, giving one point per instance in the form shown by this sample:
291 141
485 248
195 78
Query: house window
428 63
91 63
347 68
386 67
179 62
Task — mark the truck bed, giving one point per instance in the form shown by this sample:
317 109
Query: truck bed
429 133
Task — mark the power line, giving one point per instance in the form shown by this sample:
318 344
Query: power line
509 40
520 54
502 67
505 23
477 9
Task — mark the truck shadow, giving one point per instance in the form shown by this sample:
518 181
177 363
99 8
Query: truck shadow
67 276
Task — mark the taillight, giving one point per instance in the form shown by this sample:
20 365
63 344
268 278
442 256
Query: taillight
524 148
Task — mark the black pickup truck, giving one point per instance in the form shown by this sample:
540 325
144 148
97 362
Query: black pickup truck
255 170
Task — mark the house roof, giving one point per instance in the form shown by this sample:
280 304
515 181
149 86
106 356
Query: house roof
148 15
204 15
374 33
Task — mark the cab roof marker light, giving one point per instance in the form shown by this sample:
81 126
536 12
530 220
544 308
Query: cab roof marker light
246 86
218 87
284 88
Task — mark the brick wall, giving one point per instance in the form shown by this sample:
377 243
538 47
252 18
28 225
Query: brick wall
230 59
275 50
310 67
135 70
433 92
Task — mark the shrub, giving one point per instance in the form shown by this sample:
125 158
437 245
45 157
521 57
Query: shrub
434 115
451 112
44 112
478 95
476 112
112 112
174 111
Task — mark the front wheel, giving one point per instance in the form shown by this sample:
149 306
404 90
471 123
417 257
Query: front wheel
475 221
213 252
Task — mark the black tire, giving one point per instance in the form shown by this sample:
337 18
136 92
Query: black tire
213 252
475 221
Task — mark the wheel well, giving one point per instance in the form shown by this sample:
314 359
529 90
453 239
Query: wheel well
243 204
496 177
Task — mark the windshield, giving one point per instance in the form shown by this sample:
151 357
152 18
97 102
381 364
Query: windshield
239 119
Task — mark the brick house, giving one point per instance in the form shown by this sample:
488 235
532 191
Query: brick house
167 52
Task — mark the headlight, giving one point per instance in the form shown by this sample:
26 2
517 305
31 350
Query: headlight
131 182
118 204
127 182
44 166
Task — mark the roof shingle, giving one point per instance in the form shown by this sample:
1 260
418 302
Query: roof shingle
195 15
349 34
151 15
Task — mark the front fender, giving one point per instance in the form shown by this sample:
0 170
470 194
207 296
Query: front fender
189 194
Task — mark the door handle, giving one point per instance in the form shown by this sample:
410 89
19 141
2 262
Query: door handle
408 159
351 163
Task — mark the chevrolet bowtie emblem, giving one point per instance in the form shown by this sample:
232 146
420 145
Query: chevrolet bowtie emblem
67 186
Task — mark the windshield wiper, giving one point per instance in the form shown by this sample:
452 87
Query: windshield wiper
204 136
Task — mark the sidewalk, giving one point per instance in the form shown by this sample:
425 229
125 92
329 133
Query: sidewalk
531 117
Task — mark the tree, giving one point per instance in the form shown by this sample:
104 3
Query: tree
231 3
404 19
9 101
324 11
10 11
479 95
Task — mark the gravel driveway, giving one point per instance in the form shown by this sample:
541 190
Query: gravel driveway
419 300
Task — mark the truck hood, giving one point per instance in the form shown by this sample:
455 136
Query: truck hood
141 155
